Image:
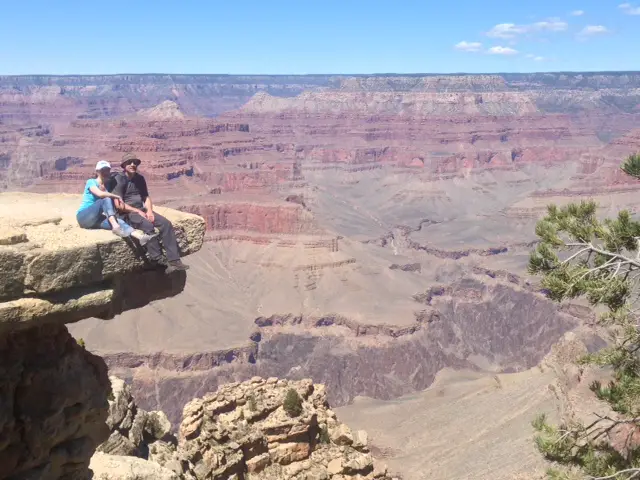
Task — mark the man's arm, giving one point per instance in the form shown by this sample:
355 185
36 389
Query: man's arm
148 204
120 189
124 208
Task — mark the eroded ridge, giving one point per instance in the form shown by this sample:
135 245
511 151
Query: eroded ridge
260 429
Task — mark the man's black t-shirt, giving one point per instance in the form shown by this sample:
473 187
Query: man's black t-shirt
133 191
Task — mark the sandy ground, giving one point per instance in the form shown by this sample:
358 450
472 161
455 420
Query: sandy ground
465 426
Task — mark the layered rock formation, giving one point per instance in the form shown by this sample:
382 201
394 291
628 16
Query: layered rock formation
500 327
54 392
242 431
442 134
241 215
363 231
446 123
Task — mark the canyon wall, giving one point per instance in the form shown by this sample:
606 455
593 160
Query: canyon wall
363 231
54 391
273 132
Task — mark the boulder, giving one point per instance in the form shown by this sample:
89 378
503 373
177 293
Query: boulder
119 401
341 435
157 425
117 467
118 444
136 432
360 440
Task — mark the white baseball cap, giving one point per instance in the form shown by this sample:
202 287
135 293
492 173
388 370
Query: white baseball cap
102 164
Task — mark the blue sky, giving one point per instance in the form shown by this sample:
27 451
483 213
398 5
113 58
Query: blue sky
317 36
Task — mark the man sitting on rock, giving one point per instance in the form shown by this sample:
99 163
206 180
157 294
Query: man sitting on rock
138 209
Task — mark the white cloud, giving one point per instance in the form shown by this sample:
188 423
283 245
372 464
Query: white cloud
506 30
552 25
468 46
511 30
593 30
535 58
577 13
629 9
501 51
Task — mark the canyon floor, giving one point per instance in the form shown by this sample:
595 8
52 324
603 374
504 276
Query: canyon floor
371 234
466 425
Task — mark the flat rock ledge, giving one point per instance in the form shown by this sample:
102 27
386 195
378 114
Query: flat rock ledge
53 270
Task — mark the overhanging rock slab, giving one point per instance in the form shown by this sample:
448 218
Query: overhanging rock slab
49 266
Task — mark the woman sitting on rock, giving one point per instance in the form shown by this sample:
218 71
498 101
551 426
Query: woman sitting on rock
98 211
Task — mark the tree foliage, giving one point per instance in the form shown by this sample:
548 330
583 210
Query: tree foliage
580 255
292 403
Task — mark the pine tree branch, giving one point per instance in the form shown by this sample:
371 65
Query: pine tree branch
603 264
593 270
617 270
634 471
586 249
606 253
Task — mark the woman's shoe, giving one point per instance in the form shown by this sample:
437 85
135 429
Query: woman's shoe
142 237
119 232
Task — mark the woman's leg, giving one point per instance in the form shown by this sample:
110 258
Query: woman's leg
109 211
128 230
91 216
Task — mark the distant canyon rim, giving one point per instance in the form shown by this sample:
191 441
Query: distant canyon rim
364 231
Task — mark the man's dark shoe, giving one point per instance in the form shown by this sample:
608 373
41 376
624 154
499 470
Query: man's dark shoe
155 264
176 266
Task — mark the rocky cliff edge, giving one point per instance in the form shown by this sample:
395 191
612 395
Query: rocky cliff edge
53 393
53 270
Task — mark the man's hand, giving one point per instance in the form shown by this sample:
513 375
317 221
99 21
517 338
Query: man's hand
148 206
144 214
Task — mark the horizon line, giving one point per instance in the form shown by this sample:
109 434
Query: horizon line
387 74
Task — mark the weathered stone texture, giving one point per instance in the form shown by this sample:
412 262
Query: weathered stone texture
53 270
240 432
53 393
243 427
117 467
132 428
53 404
